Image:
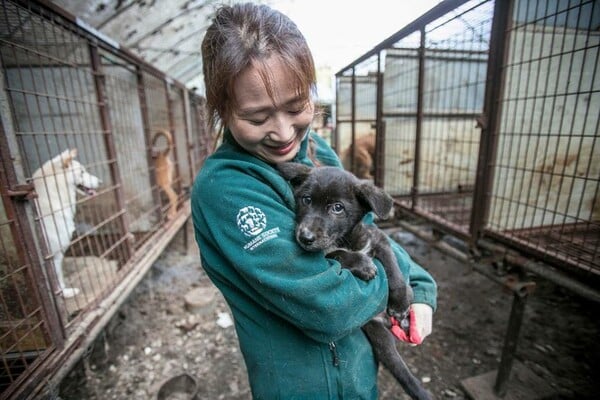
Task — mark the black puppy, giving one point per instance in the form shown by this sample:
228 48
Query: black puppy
330 206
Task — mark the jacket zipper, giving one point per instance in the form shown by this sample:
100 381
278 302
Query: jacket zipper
334 356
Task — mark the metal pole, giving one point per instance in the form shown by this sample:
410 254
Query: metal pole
489 121
107 134
419 124
353 118
379 133
510 342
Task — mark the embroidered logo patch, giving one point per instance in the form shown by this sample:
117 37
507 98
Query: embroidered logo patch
251 221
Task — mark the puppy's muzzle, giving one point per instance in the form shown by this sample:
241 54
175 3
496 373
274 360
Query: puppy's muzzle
306 237
312 236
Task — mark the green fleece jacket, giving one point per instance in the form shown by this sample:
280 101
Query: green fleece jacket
297 314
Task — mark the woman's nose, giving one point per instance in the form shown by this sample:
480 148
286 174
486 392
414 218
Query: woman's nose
282 128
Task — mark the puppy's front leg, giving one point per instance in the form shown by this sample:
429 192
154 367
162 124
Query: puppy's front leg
400 295
358 263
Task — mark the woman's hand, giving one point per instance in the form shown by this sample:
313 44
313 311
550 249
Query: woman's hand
420 322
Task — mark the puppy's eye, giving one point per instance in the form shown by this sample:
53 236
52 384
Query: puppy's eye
337 208
306 200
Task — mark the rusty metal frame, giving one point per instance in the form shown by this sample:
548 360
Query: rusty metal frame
67 341
419 119
171 118
483 246
488 122
24 240
353 115
490 119
100 83
379 126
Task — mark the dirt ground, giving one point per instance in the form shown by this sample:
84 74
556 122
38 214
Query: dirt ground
154 337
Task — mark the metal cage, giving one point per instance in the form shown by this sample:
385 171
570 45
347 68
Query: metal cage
70 98
486 122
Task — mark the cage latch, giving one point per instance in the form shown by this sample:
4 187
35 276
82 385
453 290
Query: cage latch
25 191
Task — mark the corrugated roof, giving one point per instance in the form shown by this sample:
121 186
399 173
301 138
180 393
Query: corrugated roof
165 33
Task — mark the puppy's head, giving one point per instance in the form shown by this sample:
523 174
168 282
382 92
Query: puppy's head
330 202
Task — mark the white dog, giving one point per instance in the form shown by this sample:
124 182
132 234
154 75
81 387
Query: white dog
56 184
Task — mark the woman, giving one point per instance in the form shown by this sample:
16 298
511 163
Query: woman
297 314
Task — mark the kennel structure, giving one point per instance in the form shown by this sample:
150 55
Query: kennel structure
486 116
65 86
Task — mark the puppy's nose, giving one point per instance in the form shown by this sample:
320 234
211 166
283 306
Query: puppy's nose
306 236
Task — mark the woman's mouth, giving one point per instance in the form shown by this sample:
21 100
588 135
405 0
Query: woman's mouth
283 149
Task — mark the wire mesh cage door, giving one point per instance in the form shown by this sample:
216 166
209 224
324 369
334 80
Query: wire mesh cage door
544 197
29 327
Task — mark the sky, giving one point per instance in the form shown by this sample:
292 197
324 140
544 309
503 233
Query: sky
340 31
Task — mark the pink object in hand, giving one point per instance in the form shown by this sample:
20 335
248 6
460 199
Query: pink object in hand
413 335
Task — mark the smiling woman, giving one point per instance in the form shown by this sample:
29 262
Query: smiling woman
298 314
269 126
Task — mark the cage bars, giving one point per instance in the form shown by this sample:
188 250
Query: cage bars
65 86
523 72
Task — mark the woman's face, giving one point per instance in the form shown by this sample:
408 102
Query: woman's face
270 130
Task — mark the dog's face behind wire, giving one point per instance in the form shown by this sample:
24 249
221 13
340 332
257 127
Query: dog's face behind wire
330 202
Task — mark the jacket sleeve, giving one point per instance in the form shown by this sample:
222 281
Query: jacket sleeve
250 224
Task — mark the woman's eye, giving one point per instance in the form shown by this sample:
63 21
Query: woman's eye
257 121
297 111
306 200
337 208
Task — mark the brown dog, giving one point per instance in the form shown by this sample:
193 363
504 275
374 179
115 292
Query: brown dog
165 171
364 157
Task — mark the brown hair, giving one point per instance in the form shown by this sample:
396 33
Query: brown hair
248 34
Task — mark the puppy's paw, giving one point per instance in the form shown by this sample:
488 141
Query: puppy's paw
398 304
70 292
399 315
364 269
365 274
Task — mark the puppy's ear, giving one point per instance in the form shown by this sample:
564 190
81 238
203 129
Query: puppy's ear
66 157
296 173
375 198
